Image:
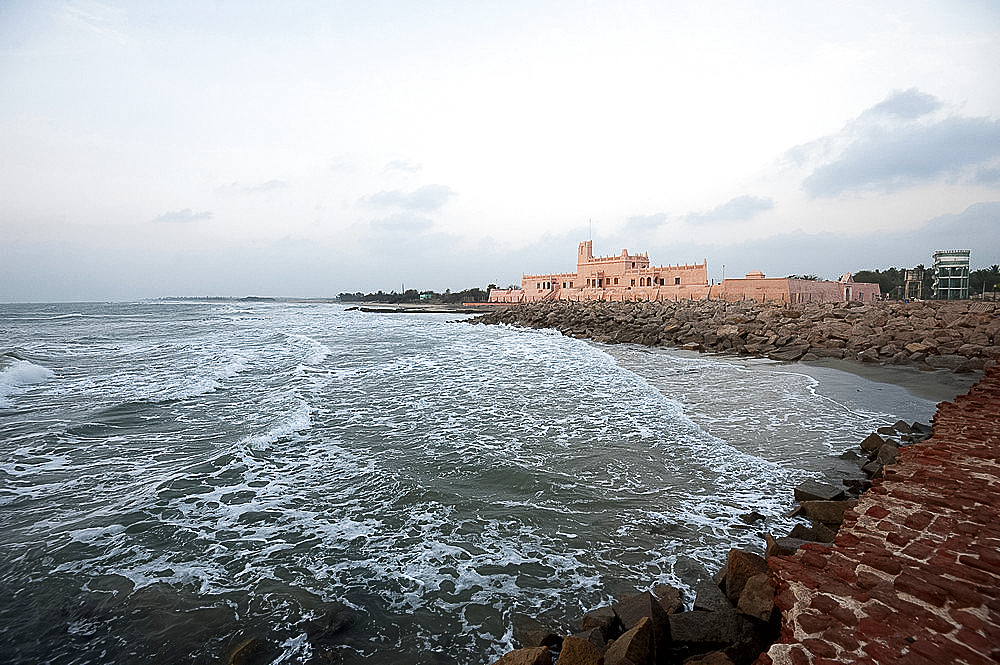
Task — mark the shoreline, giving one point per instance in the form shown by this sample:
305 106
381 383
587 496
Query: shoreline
751 619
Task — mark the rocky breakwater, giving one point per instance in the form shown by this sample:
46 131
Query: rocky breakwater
733 621
734 617
961 336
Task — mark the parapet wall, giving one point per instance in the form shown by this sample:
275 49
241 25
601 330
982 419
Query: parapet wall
914 573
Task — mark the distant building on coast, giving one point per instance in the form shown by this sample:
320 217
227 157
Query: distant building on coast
951 274
630 277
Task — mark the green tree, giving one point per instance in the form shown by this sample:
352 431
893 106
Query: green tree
985 279
890 281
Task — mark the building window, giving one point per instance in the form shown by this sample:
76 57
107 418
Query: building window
538 286
571 285
633 281
677 280
616 281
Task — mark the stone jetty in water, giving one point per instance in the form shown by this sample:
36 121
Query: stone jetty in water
960 336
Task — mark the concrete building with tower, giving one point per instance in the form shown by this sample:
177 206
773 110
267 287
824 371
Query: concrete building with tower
629 276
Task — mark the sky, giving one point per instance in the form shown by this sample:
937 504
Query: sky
303 149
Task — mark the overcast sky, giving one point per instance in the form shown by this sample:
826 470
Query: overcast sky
153 149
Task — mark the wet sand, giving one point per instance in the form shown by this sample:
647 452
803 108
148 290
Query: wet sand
936 385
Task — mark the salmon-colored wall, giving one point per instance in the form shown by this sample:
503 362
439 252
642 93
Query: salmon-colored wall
630 277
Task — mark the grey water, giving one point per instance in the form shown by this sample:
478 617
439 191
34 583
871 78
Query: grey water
341 486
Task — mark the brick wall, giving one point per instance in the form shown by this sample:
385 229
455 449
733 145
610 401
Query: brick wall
914 574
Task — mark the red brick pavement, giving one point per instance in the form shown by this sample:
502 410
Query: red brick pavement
914 574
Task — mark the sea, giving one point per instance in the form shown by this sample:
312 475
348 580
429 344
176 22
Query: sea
311 483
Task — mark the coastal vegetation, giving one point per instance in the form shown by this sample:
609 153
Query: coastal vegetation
474 294
892 280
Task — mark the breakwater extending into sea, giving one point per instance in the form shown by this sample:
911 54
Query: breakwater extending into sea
960 336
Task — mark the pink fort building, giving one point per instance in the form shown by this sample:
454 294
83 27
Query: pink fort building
630 277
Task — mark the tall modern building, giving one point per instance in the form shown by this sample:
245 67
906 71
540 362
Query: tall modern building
951 274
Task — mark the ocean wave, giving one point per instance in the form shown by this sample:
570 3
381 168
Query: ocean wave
315 351
296 421
18 376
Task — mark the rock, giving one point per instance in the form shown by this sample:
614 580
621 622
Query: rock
902 427
634 647
946 361
887 453
785 546
869 355
249 652
595 636
671 598
714 658
698 632
830 513
872 443
789 353
812 490
757 598
528 656
816 533
634 608
576 651
873 469
741 566
604 619
710 598
971 365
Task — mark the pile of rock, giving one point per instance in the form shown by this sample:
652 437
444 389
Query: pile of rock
733 621
958 335
824 504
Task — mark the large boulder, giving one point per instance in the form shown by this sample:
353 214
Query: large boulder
740 567
872 443
604 619
789 353
700 632
757 598
813 490
671 598
830 513
632 609
635 647
529 656
577 651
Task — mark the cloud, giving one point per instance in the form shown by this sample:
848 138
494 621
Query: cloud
741 208
236 187
426 199
896 144
907 104
402 223
183 216
645 222
403 165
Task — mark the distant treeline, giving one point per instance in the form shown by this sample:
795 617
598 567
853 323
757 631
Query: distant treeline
892 281
413 296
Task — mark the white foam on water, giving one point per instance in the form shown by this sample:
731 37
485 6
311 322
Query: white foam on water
18 376
291 423
315 352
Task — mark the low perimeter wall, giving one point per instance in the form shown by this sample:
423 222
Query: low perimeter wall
914 573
